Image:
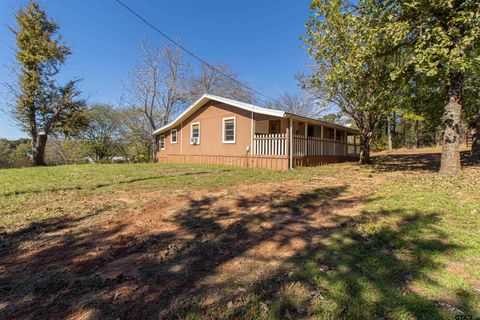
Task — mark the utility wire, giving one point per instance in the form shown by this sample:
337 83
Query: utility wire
190 52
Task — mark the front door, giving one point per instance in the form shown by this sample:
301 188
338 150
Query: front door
310 131
274 127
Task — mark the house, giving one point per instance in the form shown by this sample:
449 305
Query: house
223 131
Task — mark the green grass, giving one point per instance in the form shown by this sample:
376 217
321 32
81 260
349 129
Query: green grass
93 177
399 257
37 193
413 252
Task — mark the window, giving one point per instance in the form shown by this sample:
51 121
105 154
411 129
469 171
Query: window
173 136
350 139
161 142
195 133
228 135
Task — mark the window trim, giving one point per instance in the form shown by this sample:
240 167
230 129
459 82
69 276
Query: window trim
234 129
176 136
191 132
159 144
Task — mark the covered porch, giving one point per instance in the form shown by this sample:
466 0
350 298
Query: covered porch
304 141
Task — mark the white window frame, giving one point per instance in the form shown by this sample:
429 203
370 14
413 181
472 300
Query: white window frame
191 132
176 136
234 129
159 143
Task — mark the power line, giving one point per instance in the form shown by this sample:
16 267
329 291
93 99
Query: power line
190 52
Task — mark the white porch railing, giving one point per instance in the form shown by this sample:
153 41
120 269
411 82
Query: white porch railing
270 144
315 146
276 145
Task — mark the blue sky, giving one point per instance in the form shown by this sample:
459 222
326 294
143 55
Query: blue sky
258 39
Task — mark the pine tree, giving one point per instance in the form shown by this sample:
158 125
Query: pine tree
42 107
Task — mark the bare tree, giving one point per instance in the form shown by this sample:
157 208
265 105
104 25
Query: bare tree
156 84
301 104
211 81
135 132
156 89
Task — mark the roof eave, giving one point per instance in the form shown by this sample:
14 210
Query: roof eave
206 97
245 106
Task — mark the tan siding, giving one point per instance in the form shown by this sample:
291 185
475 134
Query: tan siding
212 150
171 147
210 117
275 163
262 123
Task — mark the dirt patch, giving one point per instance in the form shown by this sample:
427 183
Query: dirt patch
213 251
209 243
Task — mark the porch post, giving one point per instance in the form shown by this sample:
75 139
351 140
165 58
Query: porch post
287 144
356 145
334 141
252 133
321 143
290 151
181 137
306 143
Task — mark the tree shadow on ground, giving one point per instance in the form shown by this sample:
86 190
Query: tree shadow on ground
415 161
359 273
276 254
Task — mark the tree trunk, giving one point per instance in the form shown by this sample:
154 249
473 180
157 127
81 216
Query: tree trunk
476 143
38 149
156 148
365 139
390 131
416 135
450 161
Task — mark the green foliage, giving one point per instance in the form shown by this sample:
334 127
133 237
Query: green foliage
40 54
351 68
42 105
337 118
353 64
16 153
438 40
137 151
471 95
22 155
102 133
65 151
138 144
5 151
375 56
438 36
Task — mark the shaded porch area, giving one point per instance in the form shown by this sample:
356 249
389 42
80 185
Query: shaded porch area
304 141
